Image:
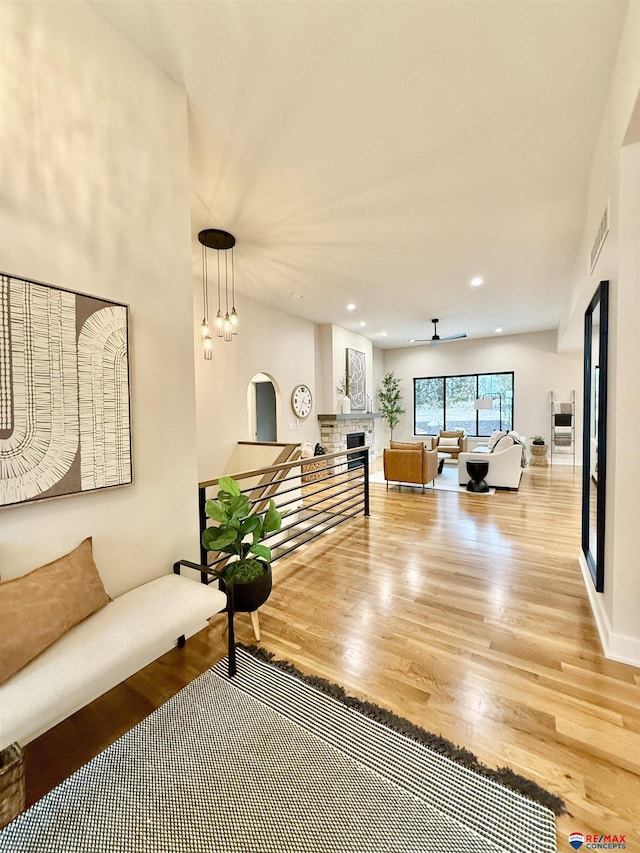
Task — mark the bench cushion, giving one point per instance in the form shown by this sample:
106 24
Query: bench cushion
111 645
44 604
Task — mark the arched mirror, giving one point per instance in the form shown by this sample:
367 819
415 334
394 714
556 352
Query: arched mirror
594 433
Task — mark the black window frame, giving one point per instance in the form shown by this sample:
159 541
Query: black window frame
444 378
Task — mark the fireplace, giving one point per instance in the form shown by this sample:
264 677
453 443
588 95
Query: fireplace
355 439
335 429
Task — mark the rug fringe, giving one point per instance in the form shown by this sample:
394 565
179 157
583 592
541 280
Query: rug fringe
503 775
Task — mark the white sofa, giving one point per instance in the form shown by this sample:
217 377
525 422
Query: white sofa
103 650
505 466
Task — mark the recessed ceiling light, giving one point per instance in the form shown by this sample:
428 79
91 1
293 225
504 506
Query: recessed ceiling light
477 281
412 340
498 329
362 323
351 307
383 334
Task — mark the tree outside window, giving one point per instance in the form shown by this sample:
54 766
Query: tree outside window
460 395
448 402
428 405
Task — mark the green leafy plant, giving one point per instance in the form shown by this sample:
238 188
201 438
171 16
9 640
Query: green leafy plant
390 397
537 439
239 531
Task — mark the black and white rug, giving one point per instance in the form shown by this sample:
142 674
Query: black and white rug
267 763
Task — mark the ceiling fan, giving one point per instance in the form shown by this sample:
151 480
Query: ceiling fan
435 338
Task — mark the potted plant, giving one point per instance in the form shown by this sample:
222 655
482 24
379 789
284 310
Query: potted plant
390 398
238 532
537 440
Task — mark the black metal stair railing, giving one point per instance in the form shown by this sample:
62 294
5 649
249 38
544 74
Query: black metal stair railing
315 495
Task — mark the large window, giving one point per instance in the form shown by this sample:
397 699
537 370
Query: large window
448 402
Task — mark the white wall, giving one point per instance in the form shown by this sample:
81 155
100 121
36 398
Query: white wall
615 175
290 351
95 198
333 342
537 366
325 382
380 429
268 341
622 583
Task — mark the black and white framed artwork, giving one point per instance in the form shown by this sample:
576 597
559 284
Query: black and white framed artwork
64 392
356 379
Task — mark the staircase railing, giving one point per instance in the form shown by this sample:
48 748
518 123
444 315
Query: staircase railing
316 495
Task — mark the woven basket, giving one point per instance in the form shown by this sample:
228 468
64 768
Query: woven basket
12 790
312 471
539 456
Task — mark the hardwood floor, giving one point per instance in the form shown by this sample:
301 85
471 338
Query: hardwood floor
465 613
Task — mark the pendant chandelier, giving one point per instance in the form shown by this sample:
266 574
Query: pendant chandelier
226 324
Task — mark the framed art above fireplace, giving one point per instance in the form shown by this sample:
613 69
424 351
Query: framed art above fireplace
356 379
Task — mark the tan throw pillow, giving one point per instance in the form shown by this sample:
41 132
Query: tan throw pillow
44 604
406 445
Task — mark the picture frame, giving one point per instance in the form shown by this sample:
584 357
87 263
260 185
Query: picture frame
356 379
65 410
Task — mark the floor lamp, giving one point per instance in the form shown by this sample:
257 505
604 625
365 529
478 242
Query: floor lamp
487 403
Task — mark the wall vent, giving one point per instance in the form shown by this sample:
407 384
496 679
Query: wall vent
601 236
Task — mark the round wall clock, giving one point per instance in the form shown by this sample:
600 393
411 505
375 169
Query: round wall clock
301 401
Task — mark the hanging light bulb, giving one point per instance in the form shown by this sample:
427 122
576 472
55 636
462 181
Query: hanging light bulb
204 326
228 331
225 323
234 313
208 347
219 317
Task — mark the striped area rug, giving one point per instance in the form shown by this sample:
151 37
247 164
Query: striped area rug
267 763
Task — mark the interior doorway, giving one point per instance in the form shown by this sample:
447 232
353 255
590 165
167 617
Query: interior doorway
263 407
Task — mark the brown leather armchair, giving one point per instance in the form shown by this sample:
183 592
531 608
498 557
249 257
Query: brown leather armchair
407 462
451 441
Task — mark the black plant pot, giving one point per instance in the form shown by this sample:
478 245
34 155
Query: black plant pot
248 597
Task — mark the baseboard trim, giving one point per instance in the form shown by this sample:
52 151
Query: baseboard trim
614 646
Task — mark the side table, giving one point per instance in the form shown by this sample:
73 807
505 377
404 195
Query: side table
477 471
441 459
538 456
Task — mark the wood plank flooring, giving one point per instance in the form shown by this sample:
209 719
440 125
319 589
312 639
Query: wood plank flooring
465 613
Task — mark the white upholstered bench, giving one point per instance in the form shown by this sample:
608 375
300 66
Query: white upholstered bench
97 654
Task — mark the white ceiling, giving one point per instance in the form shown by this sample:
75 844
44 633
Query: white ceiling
384 153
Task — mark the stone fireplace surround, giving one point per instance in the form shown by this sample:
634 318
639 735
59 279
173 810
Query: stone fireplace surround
335 428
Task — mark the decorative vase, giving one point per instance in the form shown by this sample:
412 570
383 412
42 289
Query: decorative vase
346 406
